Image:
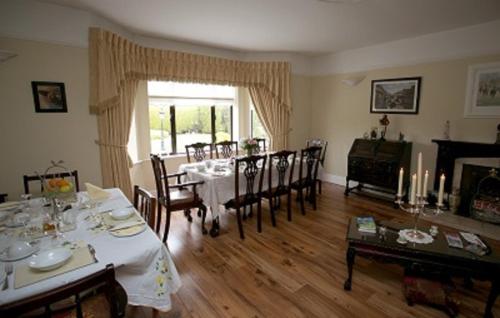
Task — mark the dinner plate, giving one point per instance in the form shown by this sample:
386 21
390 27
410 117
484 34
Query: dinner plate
23 254
50 259
130 231
121 214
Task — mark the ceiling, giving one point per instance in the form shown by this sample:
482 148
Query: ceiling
310 27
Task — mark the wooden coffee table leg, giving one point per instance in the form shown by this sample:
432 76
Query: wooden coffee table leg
350 254
495 289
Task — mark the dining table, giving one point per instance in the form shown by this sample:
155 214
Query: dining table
143 264
218 176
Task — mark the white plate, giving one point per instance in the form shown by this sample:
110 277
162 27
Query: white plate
50 259
6 258
121 214
131 231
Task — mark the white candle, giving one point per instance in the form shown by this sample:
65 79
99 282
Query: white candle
413 188
400 182
441 189
419 175
426 180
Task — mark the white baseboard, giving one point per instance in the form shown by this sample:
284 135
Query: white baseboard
335 179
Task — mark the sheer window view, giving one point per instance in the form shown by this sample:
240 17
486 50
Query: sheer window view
256 128
182 114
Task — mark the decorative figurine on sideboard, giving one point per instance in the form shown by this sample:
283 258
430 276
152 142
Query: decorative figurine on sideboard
384 122
373 133
401 136
446 132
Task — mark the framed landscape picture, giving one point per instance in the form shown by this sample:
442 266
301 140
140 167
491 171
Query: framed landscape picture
395 96
483 91
49 97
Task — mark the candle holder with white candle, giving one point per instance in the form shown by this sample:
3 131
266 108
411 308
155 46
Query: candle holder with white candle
417 203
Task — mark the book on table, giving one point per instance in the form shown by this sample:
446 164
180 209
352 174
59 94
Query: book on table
366 224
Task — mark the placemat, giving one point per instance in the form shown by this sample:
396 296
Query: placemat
24 275
110 222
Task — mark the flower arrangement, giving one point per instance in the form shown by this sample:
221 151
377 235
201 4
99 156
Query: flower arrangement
250 145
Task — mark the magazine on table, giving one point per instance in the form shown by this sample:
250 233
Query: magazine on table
366 224
454 240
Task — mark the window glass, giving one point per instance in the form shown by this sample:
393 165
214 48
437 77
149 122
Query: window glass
257 130
222 123
191 105
192 125
159 125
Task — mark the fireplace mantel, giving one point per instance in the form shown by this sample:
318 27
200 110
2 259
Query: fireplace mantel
449 150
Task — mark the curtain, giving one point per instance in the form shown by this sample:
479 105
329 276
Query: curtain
113 125
273 116
117 64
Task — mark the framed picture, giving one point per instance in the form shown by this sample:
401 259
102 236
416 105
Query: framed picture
395 96
483 91
49 97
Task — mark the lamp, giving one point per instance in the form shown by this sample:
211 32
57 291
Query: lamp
5 55
353 81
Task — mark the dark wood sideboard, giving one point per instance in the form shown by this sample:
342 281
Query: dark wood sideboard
377 163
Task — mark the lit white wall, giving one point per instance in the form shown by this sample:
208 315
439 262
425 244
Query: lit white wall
30 140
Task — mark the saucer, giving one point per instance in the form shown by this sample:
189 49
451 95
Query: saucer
6 258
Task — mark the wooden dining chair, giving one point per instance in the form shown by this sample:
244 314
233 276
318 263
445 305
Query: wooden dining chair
175 197
282 163
109 297
323 144
145 203
226 149
252 169
261 144
199 152
36 179
308 173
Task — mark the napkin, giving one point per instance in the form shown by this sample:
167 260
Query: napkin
8 205
95 193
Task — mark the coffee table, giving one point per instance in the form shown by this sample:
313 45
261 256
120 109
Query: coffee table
432 258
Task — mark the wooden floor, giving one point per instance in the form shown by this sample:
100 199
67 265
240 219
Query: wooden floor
294 270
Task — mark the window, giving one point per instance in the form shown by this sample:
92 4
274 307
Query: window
256 128
182 114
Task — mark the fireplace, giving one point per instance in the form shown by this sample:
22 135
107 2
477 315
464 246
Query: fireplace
449 151
479 191
479 200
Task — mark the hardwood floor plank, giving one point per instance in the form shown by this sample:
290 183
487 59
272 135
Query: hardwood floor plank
296 269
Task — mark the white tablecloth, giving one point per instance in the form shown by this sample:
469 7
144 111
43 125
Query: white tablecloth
217 190
143 265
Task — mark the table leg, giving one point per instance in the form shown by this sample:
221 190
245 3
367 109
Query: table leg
494 291
214 231
351 253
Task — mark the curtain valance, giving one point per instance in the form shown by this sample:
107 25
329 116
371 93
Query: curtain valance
114 60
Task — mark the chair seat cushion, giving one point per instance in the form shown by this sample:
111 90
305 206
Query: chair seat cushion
181 196
441 295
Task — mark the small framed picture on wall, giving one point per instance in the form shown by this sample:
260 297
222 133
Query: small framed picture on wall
49 97
395 95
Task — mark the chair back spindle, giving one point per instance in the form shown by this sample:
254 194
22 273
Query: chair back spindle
200 151
226 149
